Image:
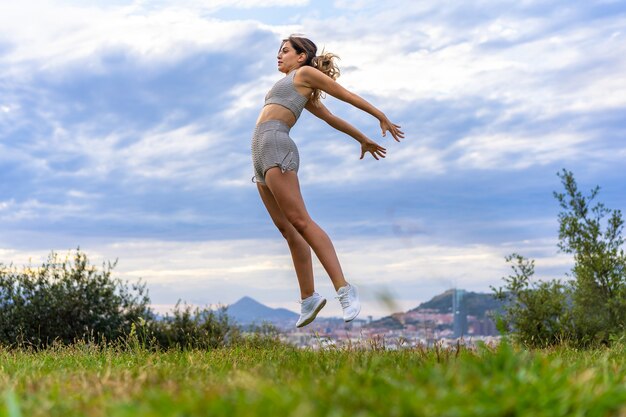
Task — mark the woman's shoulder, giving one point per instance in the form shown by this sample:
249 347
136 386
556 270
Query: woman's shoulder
307 74
307 71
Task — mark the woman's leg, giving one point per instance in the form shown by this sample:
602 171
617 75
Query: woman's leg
285 188
300 250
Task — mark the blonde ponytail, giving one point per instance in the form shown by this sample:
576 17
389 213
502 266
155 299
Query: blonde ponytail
327 65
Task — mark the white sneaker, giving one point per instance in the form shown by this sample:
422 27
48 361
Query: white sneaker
349 300
310 306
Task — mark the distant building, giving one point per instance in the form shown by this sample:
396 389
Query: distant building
483 327
459 311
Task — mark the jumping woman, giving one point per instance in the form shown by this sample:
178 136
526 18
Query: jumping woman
276 162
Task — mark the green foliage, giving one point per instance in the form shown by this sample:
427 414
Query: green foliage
197 328
536 310
64 300
67 301
599 284
589 308
264 336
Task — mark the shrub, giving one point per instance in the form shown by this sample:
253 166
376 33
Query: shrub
536 310
64 300
67 301
189 328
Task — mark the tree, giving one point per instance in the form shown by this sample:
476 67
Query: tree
599 274
590 307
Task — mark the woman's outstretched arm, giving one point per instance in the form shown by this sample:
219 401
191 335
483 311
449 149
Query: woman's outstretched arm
367 145
314 78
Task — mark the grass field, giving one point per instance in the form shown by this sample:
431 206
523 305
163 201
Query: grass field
284 381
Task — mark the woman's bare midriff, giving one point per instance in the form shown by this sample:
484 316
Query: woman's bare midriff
276 112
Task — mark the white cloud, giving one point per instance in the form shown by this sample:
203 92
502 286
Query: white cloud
58 35
426 59
219 4
33 208
6 204
519 60
509 151
172 153
247 97
410 159
186 155
423 157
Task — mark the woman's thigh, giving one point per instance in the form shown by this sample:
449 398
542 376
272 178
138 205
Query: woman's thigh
278 217
285 189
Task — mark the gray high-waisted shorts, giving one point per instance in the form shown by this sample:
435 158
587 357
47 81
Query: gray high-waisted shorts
272 147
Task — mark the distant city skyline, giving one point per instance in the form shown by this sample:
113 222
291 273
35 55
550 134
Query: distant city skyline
432 322
125 130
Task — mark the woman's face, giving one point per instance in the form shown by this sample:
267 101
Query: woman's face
288 58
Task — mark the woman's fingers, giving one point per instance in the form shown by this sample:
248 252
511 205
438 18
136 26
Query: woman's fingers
394 129
373 148
378 152
397 133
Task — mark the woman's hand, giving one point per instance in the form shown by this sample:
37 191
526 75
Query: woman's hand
372 147
394 129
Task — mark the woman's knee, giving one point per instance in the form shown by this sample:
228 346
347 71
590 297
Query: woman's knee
287 230
299 222
283 228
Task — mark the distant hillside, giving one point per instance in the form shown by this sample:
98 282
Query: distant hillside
249 311
388 322
478 304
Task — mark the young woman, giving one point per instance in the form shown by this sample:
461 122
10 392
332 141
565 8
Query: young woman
276 162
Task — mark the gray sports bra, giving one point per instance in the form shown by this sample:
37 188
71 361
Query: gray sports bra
284 93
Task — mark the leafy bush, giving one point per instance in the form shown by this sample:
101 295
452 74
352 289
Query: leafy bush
264 336
65 300
589 308
194 328
189 328
536 310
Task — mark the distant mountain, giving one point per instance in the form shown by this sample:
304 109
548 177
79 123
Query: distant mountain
249 311
477 304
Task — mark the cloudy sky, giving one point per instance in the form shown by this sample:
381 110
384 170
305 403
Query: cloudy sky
125 129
